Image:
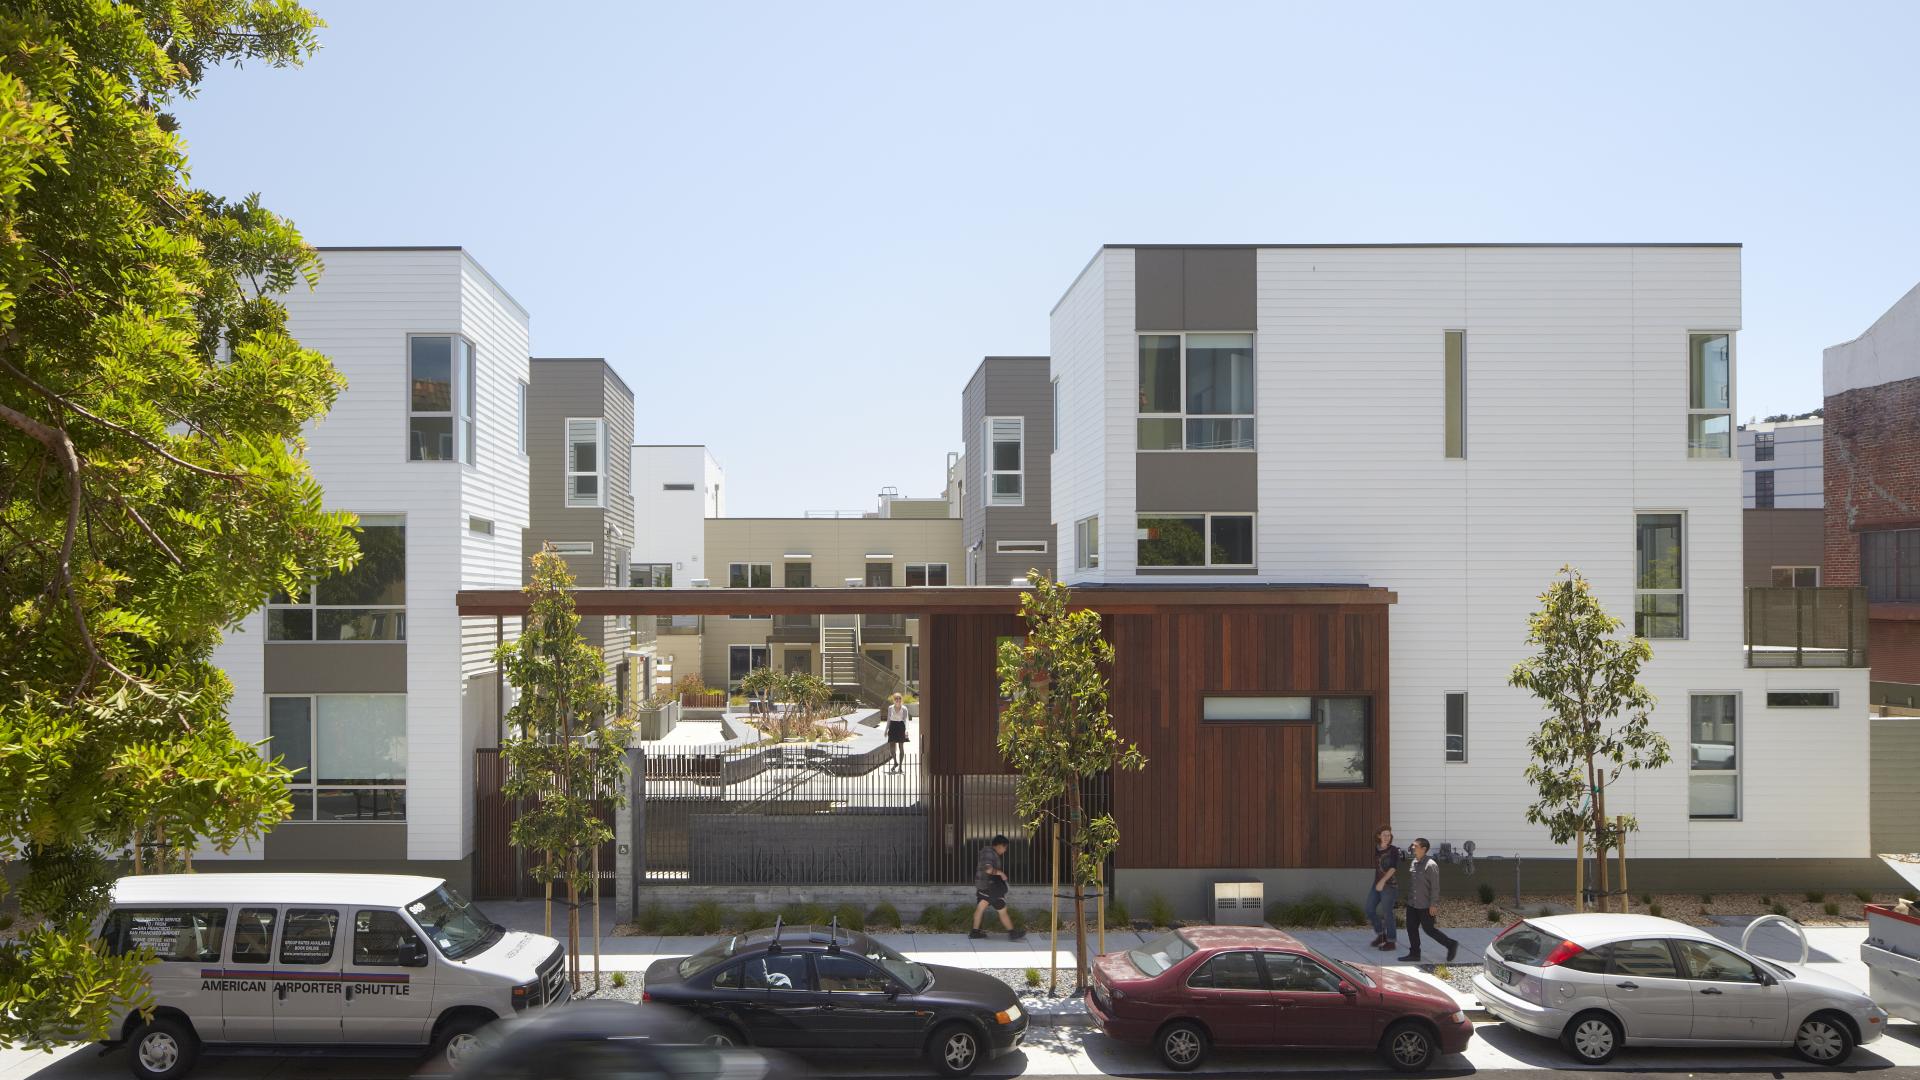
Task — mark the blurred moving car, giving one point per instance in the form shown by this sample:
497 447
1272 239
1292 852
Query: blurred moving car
609 1040
1207 986
1598 982
826 989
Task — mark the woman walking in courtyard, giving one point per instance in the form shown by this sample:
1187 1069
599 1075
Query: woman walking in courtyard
897 729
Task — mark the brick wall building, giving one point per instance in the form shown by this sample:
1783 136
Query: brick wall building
1872 464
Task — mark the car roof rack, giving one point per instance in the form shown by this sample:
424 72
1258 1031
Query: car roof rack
774 945
833 935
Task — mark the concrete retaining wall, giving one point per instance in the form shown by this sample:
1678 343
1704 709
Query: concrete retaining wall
848 847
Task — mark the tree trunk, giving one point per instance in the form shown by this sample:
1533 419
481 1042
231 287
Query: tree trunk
1079 887
1600 877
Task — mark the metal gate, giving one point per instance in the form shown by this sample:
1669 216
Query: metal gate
500 871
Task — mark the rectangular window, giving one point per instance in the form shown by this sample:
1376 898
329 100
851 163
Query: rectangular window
1456 727
928 574
366 603
1710 396
1890 565
651 575
441 393
1763 446
469 368
175 935
347 752
1713 778
571 547
1660 599
309 936
1763 489
1340 741
1239 709
742 660
253 936
1803 699
480 525
1006 461
586 462
520 426
1086 543
1020 547
1456 393
1056 414
757 575
383 939
1195 541
799 575
1196 392
1796 577
676 487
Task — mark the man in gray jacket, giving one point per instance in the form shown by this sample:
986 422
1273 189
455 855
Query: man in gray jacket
1425 894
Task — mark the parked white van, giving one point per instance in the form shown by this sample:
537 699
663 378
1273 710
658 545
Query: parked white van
336 963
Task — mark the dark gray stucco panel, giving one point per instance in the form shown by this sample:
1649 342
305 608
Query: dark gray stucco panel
1195 482
368 841
1219 289
336 668
1159 288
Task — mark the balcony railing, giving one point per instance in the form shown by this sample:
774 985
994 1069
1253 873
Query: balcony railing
1818 627
676 624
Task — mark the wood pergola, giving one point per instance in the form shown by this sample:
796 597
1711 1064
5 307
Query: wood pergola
1129 599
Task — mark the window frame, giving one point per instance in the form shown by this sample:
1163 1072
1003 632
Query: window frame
1763 500
1686 551
522 423
1708 412
1086 543
1449 754
114 930
926 574
1905 586
1763 445
1020 547
312 606
1206 540
1455 394
1833 701
1183 416
462 412
1793 573
1055 384
311 785
406 927
994 498
1739 725
1311 719
1259 967
287 914
599 473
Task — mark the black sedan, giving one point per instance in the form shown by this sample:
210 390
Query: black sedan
607 1040
812 989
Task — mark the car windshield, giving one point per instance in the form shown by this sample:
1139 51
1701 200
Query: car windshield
709 957
916 977
458 929
1160 954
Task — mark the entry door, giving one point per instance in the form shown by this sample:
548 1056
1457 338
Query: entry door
860 1012
1310 1010
1645 987
250 1004
1229 994
307 999
389 987
1731 1001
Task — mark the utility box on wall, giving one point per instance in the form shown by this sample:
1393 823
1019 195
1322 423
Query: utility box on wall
1238 903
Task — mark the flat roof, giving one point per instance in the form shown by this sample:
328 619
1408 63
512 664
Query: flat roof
1114 599
381 890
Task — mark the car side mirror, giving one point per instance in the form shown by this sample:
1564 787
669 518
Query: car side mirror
413 953
1348 988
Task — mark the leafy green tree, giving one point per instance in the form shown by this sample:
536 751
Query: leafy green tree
567 755
152 489
1586 676
1056 732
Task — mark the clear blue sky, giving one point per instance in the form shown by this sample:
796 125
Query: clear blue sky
796 228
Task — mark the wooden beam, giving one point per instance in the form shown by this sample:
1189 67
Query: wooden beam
954 600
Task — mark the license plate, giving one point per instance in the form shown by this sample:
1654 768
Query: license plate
1502 973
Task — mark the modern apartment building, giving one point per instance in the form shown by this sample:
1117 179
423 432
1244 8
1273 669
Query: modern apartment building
1781 463
579 424
1873 491
369 684
1424 419
675 490
1006 490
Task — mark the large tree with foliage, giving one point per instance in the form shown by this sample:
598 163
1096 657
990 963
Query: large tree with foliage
152 489
567 754
1587 677
1057 734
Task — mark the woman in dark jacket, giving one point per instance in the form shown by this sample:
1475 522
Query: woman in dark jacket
1381 897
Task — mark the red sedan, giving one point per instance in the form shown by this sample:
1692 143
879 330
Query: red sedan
1208 986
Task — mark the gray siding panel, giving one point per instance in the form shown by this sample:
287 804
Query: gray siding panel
1159 288
1196 481
1896 798
360 842
973 413
1021 386
1783 536
336 668
1219 289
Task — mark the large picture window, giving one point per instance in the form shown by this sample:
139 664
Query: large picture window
441 398
1006 461
1196 392
1890 564
367 603
1342 728
347 752
586 463
928 574
1710 396
1195 541
1660 598
1713 777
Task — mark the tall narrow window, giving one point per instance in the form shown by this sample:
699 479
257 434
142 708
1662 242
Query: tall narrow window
1056 414
469 370
1710 396
1763 446
430 397
1660 599
1456 393
1086 543
1456 727
1196 392
586 457
521 429
1763 489
1006 461
1890 565
1713 778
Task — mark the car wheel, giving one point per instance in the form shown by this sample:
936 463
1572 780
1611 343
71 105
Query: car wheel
724 1036
1592 1038
459 1044
1408 1046
162 1049
955 1050
1183 1046
1823 1039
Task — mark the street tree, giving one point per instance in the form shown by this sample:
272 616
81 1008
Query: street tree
1596 727
152 485
566 755
1057 734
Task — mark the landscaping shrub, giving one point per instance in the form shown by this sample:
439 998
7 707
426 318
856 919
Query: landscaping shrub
1018 917
1493 915
706 917
1318 910
1159 911
1766 901
960 917
934 919
752 919
1706 898
1831 908
850 917
1117 913
1779 909
1486 893
1815 897
884 916
1033 976
1653 910
1646 899
799 914
676 924
619 979
1863 896
651 919
1442 972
